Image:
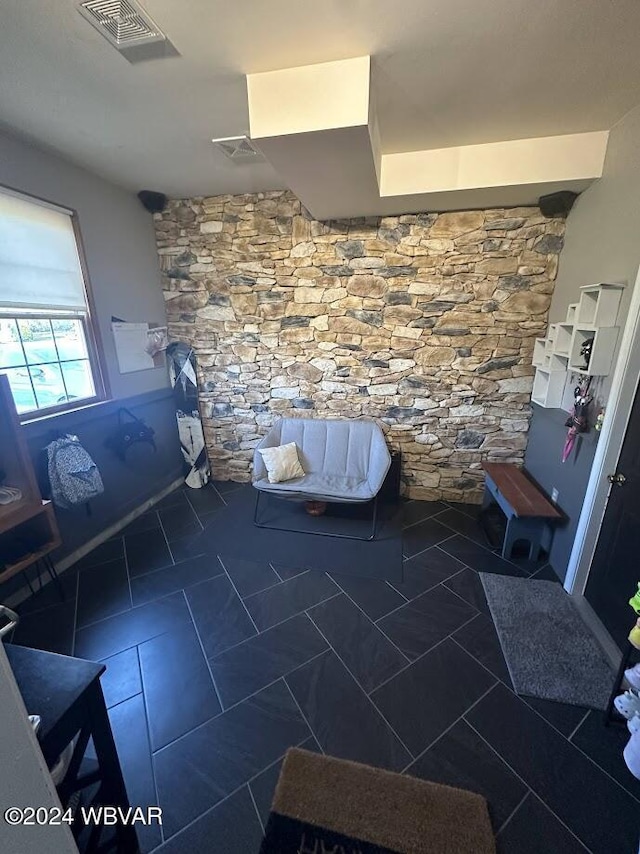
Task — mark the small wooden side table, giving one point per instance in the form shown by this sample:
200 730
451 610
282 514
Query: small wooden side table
67 694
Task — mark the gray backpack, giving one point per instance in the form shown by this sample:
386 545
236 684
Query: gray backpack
73 475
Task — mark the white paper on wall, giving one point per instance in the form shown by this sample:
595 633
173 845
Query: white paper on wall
131 341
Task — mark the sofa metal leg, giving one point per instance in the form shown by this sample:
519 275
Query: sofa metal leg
256 511
372 535
374 519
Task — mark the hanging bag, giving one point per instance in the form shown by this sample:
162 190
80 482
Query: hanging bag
73 475
130 430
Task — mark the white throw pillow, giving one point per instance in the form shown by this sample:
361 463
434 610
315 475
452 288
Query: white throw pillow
282 463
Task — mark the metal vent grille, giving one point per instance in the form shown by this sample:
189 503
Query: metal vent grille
122 22
240 149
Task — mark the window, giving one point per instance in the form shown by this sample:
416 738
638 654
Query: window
47 348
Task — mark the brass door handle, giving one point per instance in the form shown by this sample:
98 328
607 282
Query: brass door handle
617 479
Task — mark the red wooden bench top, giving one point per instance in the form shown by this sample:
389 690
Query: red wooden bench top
523 495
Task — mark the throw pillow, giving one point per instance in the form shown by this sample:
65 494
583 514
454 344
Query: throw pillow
282 463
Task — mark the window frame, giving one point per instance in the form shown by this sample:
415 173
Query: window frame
95 350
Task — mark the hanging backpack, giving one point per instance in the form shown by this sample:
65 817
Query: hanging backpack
73 475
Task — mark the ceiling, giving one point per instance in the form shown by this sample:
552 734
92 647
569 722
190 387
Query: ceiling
445 73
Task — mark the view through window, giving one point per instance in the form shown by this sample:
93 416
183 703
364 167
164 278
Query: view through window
46 361
46 342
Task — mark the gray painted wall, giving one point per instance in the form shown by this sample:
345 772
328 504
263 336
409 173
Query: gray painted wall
119 246
121 255
547 433
123 268
128 484
602 244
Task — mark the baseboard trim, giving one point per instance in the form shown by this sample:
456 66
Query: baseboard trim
70 559
609 646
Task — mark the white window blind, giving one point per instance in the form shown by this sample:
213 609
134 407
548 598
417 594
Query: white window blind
39 263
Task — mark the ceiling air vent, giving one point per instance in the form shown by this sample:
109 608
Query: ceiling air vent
122 22
240 149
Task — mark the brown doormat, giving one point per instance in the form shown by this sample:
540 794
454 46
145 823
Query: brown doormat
324 804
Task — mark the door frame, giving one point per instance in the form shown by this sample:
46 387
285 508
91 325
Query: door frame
626 377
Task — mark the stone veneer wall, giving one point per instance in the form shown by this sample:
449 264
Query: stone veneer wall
424 321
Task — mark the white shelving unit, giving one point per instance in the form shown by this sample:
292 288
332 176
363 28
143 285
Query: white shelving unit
550 341
562 343
539 353
604 344
598 305
558 362
548 388
558 355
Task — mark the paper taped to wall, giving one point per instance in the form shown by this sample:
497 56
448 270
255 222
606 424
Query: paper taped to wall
131 341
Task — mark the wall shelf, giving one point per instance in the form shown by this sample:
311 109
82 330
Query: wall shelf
604 345
558 362
548 388
558 355
598 305
538 353
550 340
562 342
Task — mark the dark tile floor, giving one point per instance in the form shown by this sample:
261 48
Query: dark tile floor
215 666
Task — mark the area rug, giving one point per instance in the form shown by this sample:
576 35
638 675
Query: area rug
549 649
232 532
324 804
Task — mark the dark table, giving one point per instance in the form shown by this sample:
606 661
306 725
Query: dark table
67 694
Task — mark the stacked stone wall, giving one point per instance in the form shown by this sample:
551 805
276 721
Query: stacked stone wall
425 322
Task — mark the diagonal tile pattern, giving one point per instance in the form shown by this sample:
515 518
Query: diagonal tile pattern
376 598
103 592
216 665
290 597
426 570
249 577
173 667
249 666
233 820
446 680
121 680
173 578
369 655
534 829
210 762
342 717
576 790
450 762
220 617
426 620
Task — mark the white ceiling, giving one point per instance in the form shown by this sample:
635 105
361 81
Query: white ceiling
445 72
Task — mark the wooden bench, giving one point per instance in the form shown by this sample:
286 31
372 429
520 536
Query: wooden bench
529 512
